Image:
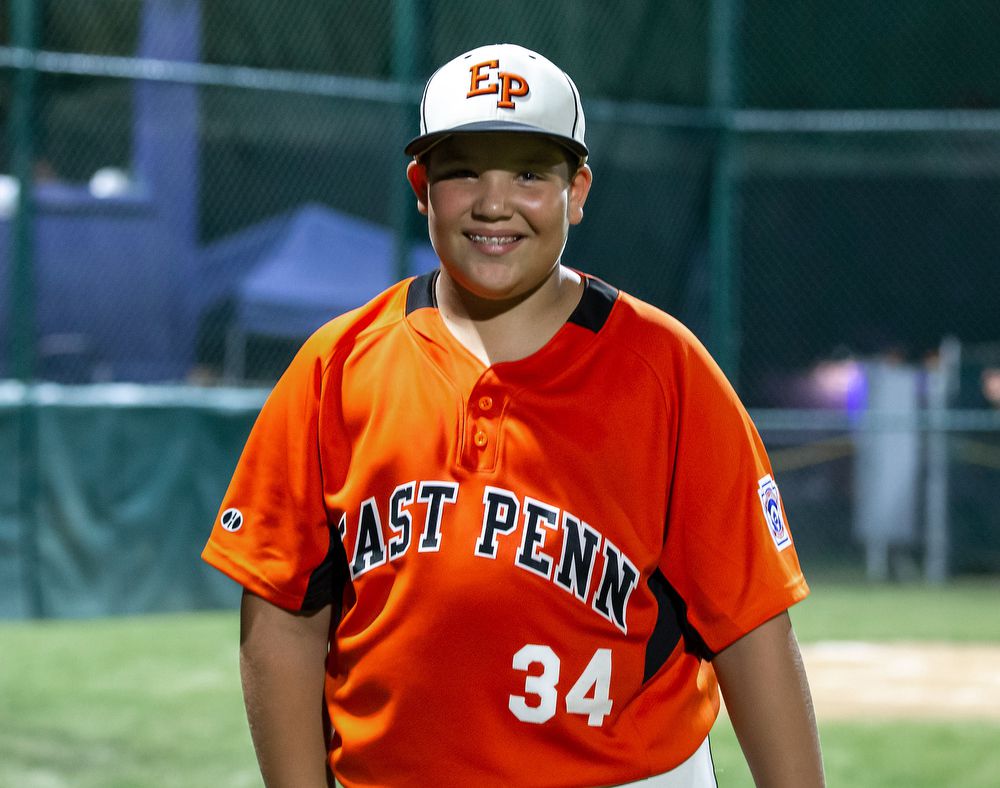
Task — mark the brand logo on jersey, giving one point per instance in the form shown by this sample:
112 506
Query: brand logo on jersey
231 520
770 502
508 86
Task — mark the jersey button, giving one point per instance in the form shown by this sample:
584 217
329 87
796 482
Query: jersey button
480 439
486 404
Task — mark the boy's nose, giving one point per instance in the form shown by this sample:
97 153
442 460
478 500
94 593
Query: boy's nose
493 200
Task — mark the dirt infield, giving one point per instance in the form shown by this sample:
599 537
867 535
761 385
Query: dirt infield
854 680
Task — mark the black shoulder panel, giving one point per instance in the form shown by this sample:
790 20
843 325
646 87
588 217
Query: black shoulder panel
598 299
420 294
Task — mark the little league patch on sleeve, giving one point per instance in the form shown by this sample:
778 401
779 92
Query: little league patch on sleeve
770 502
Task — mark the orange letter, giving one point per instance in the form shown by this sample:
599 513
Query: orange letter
491 87
513 85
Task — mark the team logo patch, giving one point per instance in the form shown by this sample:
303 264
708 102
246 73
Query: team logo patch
231 520
770 502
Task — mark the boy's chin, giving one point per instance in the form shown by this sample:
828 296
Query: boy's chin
498 288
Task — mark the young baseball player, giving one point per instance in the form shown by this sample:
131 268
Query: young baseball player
507 525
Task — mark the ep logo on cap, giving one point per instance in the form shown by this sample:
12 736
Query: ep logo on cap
513 84
501 87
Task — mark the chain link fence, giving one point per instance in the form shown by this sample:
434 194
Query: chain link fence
814 189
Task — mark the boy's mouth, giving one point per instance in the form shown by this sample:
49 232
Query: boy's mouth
492 240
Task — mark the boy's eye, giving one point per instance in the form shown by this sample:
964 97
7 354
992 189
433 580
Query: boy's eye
530 176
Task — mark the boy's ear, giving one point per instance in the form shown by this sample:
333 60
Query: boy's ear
416 174
579 188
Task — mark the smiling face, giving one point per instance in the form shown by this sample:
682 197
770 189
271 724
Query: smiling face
499 207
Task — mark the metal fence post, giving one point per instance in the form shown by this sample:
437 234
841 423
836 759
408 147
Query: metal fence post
941 388
724 318
404 67
24 35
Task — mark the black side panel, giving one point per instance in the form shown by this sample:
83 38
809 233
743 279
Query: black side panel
671 626
326 584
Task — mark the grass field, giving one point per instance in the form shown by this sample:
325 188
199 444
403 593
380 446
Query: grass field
155 700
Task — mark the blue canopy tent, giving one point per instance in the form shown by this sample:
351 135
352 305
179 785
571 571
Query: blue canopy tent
315 265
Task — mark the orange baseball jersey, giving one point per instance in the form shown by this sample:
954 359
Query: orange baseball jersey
532 562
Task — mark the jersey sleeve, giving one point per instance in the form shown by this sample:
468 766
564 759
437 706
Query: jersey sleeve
728 550
272 534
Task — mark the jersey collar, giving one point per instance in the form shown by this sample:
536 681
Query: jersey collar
591 313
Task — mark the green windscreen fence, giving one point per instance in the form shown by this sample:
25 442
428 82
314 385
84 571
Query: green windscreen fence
128 480
128 483
188 188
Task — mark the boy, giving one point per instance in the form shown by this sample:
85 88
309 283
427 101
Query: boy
505 525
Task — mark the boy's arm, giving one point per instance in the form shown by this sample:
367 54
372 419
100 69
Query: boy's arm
283 666
767 696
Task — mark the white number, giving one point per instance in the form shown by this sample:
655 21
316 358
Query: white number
596 677
590 696
543 686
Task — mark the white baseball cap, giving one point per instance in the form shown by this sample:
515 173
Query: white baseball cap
500 87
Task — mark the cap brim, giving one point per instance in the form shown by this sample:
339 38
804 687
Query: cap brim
425 142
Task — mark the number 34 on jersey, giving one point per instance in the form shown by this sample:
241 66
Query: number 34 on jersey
590 695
